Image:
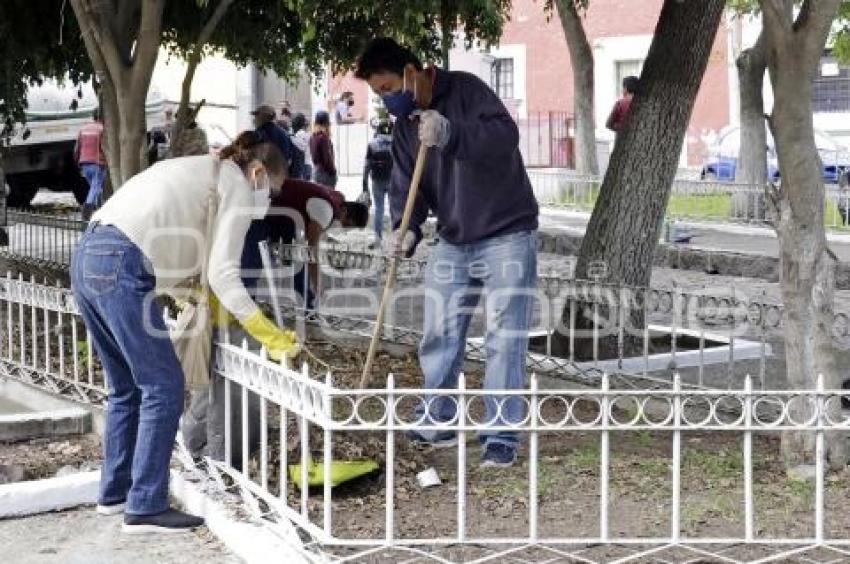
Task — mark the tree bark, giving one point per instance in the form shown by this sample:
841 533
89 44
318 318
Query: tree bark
794 48
752 153
122 42
448 19
581 57
622 234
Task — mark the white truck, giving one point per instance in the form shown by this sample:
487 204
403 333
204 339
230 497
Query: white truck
41 152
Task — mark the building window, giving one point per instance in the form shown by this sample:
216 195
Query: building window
624 69
831 92
502 78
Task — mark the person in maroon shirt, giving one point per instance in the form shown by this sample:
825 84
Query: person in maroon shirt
311 209
617 118
322 151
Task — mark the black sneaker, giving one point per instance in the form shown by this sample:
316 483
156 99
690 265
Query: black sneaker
498 455
169 521
442 439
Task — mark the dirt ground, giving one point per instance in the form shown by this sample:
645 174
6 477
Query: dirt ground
497 500
42 458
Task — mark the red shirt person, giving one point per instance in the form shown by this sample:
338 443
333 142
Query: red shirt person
310 208
617 118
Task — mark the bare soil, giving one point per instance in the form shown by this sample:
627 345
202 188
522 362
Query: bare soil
497 500
42 458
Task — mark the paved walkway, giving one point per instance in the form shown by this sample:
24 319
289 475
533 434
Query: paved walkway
80 536
709 236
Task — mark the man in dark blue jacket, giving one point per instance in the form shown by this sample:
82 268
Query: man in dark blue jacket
271 132
475 183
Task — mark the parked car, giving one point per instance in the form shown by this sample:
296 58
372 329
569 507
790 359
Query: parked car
721 161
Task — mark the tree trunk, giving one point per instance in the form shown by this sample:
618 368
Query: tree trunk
112 133
752 153
581 57
132 123
448 19
620 240
185 114
806 266
122 40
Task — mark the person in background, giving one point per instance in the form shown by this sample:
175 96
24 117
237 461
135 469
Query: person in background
322 151
148 239
88 154
264 122
379 167
308 209
285 121
169 124
342 113
617 118
301 140
476 183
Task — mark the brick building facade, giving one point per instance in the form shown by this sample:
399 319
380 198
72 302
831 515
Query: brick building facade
620 33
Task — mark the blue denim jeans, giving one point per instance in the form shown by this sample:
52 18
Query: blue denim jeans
379 196
113 287
504 270
95 175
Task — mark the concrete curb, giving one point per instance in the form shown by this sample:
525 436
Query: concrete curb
249 541
50 494
56 423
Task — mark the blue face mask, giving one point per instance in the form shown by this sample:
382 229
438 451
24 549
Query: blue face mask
400 103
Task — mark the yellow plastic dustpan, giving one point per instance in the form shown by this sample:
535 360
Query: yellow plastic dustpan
341 471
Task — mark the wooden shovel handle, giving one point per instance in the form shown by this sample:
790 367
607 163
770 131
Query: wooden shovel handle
391 275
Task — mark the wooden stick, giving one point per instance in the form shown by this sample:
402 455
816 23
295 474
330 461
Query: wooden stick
391 275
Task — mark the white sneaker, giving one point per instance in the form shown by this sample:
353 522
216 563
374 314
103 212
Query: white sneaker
113 509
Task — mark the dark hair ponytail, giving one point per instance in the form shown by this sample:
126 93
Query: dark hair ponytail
250 146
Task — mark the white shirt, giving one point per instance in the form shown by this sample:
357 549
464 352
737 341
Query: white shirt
301 140
341 110
163 210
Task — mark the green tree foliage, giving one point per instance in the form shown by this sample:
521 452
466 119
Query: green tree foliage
38 39
290 35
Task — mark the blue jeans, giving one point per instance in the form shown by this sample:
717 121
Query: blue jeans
113 287
95 175
504 270
379 195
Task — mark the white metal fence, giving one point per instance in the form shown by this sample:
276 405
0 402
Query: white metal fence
44 342
306 416
385 414
712 335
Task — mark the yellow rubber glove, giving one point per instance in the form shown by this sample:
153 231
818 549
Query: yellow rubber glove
278 342
221 318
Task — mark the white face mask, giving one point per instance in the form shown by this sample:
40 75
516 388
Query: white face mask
262 198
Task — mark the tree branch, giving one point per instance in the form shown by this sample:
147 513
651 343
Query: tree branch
212 23
813 25
123 26
147 44
776 13
97 36
195 56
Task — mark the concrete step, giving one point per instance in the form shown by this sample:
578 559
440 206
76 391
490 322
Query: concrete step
38 424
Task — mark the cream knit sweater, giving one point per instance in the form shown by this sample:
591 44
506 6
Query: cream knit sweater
163 210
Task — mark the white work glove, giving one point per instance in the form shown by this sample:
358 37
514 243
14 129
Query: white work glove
434 129
401 246
364 198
